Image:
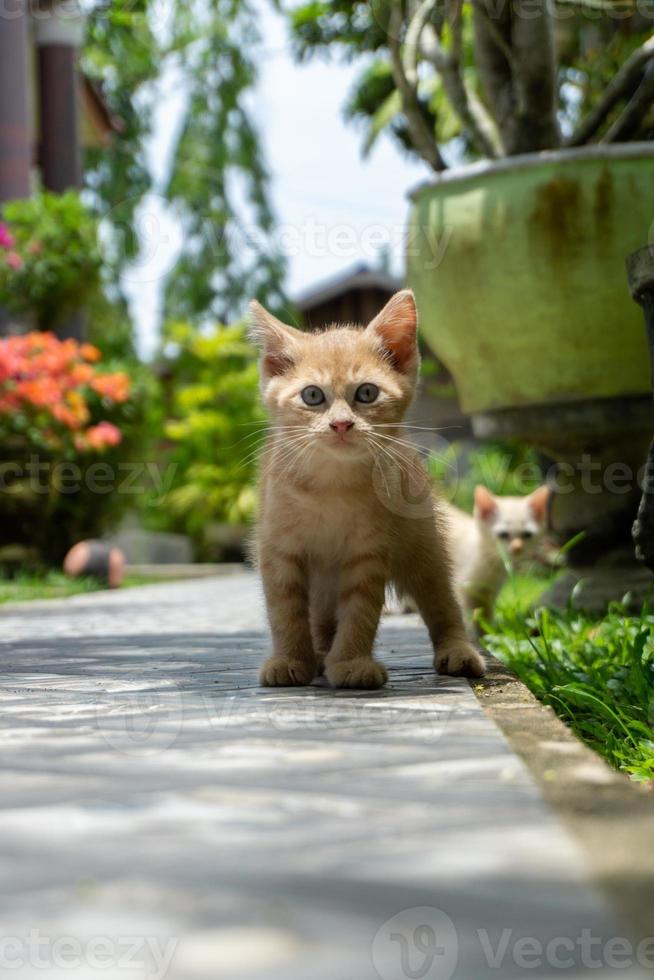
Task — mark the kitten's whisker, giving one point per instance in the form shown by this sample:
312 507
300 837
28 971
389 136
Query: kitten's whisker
257 454
406 425
296 453
292 445
405 443
252 435
388 454
401 462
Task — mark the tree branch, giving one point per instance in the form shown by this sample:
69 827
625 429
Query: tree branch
421 133
414 37
492 36
514 44
618 88
640 103
421 37
535 76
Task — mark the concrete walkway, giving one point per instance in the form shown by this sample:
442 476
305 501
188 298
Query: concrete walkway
162 816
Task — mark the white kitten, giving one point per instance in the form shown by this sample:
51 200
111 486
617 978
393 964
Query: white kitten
515 525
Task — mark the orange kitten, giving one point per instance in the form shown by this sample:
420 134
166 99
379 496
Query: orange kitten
336 523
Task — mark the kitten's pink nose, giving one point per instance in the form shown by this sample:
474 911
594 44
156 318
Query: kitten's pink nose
341 426
516 546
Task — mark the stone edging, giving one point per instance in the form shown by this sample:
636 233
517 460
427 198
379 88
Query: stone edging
611 817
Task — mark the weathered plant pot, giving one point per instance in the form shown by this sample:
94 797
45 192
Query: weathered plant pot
518 268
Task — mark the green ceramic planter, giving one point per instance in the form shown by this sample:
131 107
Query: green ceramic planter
518 269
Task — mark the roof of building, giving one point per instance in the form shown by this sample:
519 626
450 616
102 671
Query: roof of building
360 276
98 122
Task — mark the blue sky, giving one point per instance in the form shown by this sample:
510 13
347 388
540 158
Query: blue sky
334 208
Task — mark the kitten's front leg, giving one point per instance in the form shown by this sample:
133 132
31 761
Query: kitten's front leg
285 582
350 661
432 590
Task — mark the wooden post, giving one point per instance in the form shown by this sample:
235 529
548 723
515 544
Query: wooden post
15 142
58 33
15 138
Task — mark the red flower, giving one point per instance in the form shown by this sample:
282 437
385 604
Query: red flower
100 436
6 238
14 261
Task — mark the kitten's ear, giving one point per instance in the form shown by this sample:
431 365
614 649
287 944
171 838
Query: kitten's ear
538 501
396 327
277 342
485 502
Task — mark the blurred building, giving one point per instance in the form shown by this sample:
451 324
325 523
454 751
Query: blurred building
49 112
355 296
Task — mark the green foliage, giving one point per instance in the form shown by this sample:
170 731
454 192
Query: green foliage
592 46
588 66
26 587
214 428
598 675
351 28
217 183
121 55
52 498
228 255
53 267
376 104
109 326
505 469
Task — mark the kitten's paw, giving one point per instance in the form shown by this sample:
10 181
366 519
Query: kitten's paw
280 672
459 659
363 673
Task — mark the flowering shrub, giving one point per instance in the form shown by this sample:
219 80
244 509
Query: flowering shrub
61 412
49 256
52 391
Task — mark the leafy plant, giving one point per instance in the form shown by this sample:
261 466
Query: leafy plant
49 256
505 469
213 427
26 587
598 675
60 412
473 78
217 183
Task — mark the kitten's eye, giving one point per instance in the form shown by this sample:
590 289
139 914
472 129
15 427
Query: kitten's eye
366 393
312 395
526 534
503 535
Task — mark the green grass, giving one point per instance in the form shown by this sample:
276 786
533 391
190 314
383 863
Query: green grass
54 585
597 674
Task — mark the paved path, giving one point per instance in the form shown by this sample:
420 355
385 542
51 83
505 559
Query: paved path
162 816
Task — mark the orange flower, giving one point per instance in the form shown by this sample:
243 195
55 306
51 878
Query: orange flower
81 374
66 416
116 386
90 353
48 379
41 392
